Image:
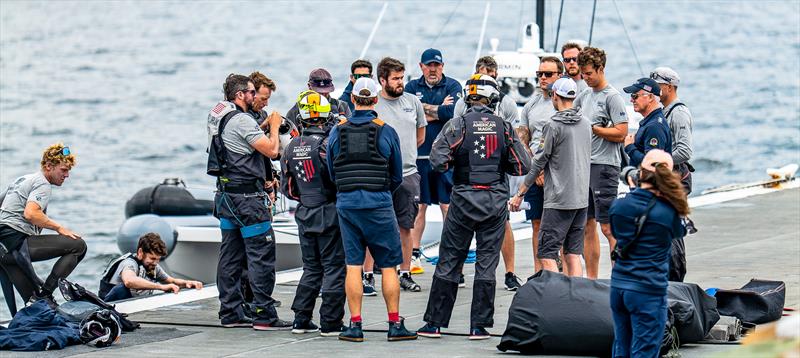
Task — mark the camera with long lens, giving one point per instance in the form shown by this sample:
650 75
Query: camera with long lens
629 172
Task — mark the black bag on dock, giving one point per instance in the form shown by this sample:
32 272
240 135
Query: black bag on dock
759 301
74 292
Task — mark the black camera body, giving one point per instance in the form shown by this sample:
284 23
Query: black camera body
629 172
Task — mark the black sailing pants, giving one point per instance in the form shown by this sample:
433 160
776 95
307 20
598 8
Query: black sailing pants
453 249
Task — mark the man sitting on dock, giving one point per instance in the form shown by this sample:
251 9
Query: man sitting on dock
136 275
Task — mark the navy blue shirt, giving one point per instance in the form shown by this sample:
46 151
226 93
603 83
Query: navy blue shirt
345 97
389 147
653 133
647 265
435 95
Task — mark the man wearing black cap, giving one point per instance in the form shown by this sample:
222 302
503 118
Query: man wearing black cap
320 81
653 132
438 94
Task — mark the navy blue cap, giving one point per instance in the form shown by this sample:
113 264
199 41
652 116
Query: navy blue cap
431 55
646 84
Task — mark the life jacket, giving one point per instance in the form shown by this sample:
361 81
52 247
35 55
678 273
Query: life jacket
478 159
359 164
231 167
305 168
111 269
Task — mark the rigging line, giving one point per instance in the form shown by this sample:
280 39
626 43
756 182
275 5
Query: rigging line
441 30
630 41
374 30
591 27
483 32
519 25
558 28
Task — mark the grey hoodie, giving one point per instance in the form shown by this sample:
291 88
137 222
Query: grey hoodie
565 154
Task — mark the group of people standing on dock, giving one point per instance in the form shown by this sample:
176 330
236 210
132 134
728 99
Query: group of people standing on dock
366 167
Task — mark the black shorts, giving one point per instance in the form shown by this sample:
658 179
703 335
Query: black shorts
603 184
561 228
406 201
535 197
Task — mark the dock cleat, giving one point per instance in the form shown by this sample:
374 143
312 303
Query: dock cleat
398 332
369 285
407 283
354 333
277 325
478 333
512 282
300 327
430 331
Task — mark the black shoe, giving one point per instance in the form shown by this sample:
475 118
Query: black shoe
243 322
478 333
354 333
407 283
512 282
461 282
300 327
43 296
332 331
430 331
368 281
398 332
277 325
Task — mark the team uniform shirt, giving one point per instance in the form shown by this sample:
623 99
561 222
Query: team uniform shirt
389 146
29 188
680 123
435 95
604 108
653 133
158 275
405 114
535 114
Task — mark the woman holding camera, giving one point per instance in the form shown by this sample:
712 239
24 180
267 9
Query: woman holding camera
644 222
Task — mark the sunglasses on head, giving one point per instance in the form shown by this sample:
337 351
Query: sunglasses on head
65 151
657 76
547 74
570 59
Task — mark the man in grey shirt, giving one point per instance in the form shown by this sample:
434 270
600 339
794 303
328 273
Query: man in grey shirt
569 54
564 155
403 112
136 275
535 114
680 123
23 207
604 107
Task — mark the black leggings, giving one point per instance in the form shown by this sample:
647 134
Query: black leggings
41 248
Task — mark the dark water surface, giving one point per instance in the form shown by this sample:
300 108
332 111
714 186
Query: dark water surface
127 85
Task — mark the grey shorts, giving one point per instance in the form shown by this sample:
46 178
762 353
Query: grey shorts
603 184
406 201
561 228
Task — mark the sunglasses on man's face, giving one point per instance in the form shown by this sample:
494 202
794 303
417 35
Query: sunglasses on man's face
635 96
547 74
360 75
570 59
252 92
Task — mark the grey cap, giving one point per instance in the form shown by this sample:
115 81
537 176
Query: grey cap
666 75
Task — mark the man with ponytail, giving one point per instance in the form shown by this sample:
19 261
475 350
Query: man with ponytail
644 222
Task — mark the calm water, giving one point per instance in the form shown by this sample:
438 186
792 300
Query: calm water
127 85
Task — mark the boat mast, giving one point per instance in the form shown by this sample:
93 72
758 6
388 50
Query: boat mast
540 21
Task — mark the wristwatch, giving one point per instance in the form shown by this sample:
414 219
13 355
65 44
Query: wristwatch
519 194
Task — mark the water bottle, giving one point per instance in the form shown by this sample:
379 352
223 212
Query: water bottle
525 206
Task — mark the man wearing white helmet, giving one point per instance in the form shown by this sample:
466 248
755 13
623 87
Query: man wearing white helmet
306 179
481 148
563 153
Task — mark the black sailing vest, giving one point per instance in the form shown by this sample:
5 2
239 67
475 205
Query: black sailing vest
479 157
246 168
305 167
359 164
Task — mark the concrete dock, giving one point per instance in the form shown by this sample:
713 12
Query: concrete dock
754 237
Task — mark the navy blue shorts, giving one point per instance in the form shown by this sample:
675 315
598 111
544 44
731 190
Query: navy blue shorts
534 196
375 229
434 187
